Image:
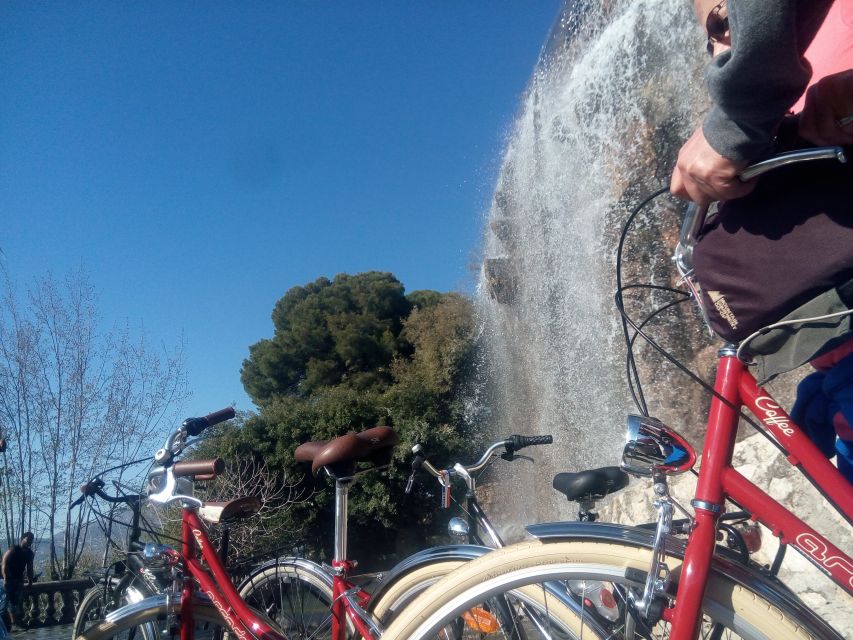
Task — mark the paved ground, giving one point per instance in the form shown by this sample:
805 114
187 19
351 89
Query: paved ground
61 632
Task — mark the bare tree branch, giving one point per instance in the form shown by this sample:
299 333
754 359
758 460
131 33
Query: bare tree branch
73 400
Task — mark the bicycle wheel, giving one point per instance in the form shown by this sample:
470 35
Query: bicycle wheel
730 610
528 612
155 623
98 601
294 593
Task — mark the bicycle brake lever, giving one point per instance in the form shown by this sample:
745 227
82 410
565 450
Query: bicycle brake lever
509 457
417 463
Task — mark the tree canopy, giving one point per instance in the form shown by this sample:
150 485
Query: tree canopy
348 354
344 331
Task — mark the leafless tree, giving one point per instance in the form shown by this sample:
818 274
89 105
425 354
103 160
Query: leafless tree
259 534
73 401
21 473
245 476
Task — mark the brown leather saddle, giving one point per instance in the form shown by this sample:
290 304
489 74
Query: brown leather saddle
341 455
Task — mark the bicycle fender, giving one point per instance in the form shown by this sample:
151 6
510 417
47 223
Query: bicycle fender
464 552
724 563
135 607
303 564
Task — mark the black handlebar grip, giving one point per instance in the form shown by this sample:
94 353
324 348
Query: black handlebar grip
519 442
220 416
195 426
91 488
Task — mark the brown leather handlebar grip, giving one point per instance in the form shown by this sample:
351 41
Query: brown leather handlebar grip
210 468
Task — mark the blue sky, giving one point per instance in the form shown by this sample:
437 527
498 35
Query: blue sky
199 159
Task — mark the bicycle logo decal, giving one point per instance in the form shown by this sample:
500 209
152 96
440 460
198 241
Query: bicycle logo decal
774 415
198 538
818 550
223 610
226 615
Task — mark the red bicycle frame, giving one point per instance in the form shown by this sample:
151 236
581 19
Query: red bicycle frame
219 588
718 480
341 607
223 594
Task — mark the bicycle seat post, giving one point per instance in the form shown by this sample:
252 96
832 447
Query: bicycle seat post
342 486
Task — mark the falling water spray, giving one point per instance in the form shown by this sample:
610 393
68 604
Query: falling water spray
615 92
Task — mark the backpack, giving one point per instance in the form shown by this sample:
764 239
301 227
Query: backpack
784 252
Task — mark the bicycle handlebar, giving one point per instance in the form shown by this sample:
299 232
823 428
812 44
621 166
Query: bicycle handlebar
195 426
511 444
199 468
176 442
519 442
95 487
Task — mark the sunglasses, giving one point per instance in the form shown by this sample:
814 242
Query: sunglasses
717 25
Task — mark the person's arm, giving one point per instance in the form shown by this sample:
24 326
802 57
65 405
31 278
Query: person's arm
752 86
755 83
5 562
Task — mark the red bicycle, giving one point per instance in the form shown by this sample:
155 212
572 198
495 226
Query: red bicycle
665 586
306 599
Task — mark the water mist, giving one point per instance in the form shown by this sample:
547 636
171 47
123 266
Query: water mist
617 88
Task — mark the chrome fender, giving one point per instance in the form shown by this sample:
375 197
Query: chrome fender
724 563
317 570
135 607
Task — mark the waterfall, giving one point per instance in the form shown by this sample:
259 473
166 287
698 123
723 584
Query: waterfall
616 91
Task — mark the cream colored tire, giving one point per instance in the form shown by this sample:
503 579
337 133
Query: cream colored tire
742 611
388 604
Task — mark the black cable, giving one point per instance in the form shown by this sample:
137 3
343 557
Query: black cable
639 398
122 466
685 297
754 423
633 374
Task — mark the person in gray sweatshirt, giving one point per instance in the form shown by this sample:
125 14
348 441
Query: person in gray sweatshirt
782 247
752 85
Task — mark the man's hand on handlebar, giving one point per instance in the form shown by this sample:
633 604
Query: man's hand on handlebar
703 175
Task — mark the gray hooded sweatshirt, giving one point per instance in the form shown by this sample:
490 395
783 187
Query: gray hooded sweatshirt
755 83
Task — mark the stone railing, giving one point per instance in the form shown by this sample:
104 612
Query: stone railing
51 603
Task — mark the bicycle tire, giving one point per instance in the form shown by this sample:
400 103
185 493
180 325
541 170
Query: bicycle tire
209 624
94 606
744 612
564 622
294 593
